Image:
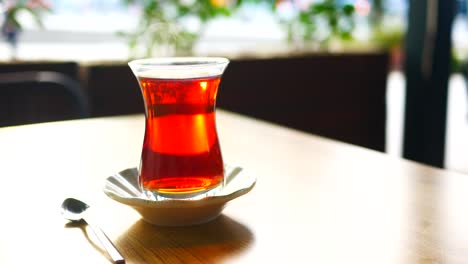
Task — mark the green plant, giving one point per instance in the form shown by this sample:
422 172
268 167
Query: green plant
320 23
11 26
459 62
34 7
464 69
388 37
383 35
377 14
166 24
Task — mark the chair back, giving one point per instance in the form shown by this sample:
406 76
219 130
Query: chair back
40 96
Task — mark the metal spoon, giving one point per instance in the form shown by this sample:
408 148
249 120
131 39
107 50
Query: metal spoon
73 210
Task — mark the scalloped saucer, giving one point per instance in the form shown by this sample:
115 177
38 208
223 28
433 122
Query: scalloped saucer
124 188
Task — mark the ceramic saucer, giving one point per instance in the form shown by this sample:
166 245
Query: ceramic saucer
124 188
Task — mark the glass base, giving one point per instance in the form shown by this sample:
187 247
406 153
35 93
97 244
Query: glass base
195 195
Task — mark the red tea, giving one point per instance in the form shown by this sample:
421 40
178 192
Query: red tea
181 152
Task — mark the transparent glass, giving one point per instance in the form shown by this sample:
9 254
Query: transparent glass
181 155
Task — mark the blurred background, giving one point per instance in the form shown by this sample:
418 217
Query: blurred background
297 34
98 25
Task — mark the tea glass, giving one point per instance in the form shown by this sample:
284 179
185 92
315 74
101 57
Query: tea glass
181 155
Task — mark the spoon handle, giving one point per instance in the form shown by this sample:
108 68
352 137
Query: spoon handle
114 254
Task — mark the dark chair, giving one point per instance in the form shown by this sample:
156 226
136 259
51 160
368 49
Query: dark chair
112 90
40 96
68 68
341 96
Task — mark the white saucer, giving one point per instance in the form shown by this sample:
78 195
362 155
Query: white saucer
124 188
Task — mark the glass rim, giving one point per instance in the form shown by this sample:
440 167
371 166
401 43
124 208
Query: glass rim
179 62
178 67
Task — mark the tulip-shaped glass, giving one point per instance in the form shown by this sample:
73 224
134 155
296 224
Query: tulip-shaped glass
181 155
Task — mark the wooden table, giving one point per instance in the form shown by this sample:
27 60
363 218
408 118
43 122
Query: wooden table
316 200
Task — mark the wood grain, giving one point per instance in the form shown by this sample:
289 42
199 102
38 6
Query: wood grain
316 200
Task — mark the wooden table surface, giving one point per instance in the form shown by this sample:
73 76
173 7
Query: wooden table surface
316 200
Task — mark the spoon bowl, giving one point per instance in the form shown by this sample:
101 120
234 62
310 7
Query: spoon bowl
75 210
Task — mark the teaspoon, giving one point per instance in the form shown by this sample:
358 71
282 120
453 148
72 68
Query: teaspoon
73 210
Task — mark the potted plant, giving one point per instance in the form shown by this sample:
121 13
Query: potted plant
318 24
171 27
11 25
